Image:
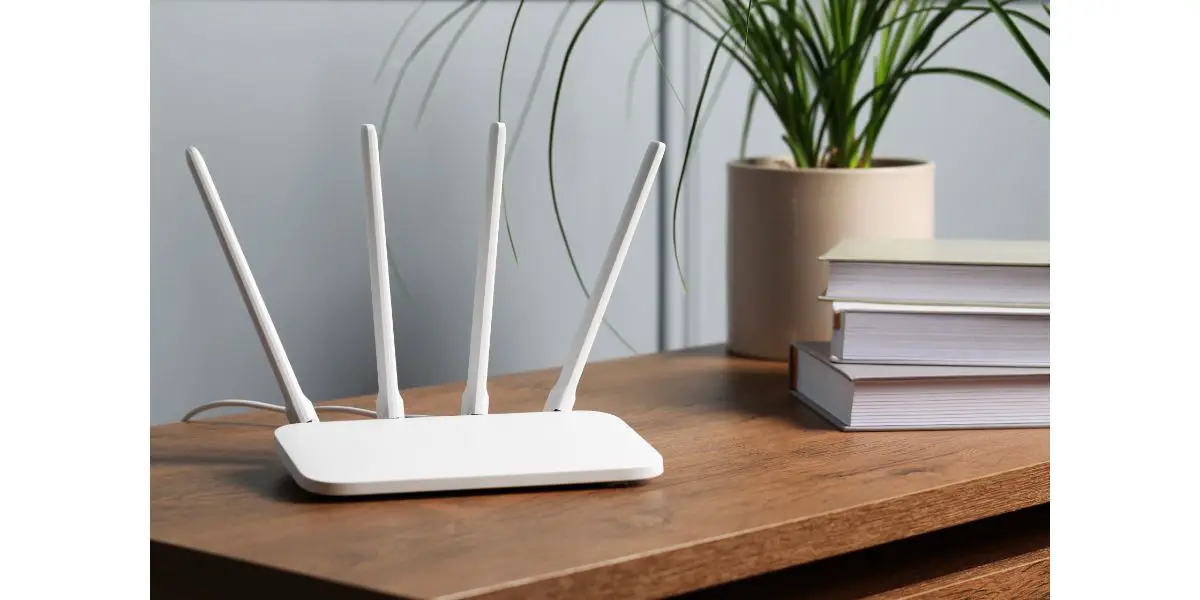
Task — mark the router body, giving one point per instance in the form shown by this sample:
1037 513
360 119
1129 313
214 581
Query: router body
464 452
474 450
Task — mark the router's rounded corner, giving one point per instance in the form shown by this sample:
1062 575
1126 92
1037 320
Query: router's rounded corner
321 488
654 472
646 472
304 481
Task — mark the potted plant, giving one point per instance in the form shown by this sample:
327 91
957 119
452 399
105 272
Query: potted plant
831 71
784 212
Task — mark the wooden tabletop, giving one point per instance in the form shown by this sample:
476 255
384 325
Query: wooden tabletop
753 483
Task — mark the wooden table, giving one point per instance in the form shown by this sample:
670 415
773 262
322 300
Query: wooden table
759 498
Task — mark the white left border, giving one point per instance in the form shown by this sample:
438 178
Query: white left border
74 312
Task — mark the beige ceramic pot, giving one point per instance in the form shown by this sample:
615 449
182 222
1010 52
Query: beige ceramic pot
782 219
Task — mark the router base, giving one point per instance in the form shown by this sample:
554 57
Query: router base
469 452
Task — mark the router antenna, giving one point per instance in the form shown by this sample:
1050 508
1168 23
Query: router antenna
389 404
298 407
562 397
475 396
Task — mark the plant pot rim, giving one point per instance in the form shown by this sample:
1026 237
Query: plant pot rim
888 164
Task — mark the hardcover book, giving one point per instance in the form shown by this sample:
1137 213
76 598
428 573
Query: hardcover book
866 397
940 271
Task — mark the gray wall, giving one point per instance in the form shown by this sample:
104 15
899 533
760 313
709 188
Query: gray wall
273 93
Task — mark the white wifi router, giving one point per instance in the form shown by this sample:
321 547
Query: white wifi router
473 450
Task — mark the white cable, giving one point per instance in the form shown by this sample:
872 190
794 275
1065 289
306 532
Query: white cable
276 408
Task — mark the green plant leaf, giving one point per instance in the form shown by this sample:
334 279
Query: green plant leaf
387 56
717 89
437 72
712 61
983 13
835 71
1021 40
562 230
504 63
392 268
991 82
883 96
713 9
387 111
523 119
714 37
633 70
781 65
543 61
988 81
658 55
904 47
512 242
746 123
1014 14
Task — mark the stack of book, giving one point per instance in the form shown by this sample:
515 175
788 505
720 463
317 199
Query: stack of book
932 334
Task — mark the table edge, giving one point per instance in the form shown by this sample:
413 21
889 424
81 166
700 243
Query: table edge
688 567
759 550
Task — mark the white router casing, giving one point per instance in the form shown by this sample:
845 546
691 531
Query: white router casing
474 450
464 452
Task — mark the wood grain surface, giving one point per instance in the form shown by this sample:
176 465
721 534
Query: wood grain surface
1003 557
753 483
